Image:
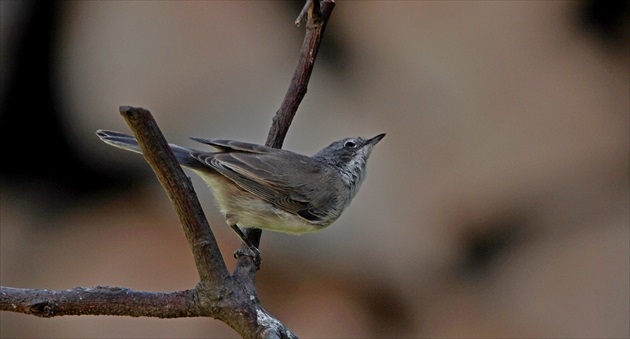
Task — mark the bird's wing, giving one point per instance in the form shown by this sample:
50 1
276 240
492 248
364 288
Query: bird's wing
232 145
295 187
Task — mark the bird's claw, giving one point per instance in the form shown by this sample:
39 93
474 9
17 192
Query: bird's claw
252 253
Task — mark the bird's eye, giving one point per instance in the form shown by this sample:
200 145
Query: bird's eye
350 144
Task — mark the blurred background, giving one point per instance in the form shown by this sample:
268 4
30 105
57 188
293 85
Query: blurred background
497 205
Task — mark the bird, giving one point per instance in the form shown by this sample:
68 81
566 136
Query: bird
272 189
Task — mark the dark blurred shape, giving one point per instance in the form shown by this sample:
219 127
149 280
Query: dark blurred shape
390 313
485 241
37 150
609 21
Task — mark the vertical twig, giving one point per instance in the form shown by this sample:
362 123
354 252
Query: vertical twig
318 16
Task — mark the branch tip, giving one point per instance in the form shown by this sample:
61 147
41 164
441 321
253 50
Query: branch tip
301 16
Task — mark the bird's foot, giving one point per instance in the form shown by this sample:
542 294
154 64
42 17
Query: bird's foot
253 253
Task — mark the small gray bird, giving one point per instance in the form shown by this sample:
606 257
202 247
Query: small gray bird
273 189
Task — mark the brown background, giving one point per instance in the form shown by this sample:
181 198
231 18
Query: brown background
497 205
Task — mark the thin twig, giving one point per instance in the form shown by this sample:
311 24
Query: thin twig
316 24
307 5
299 82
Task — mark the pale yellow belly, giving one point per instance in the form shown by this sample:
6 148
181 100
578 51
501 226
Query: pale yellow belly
246 210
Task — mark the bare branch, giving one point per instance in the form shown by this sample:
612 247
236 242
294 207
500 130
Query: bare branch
100 300
219 295
315 26
208 258
230 303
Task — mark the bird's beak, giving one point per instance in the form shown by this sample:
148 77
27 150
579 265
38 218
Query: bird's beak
376 139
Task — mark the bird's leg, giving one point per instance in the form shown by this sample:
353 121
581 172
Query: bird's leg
254 251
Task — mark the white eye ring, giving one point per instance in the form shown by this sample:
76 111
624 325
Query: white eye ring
350 144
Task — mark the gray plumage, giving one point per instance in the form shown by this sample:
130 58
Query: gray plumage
273 189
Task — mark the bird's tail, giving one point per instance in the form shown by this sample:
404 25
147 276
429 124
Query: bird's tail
129 143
